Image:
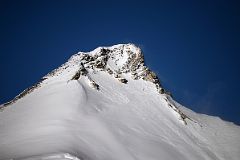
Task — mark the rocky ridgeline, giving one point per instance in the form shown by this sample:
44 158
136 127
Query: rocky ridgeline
135 65
124 59
22 94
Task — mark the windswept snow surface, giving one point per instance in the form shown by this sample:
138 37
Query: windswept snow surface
66 118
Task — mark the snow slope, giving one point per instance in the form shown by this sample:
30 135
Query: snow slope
107 105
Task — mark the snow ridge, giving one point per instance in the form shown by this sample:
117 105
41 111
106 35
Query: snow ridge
117 60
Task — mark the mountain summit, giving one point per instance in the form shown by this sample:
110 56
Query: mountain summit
108 105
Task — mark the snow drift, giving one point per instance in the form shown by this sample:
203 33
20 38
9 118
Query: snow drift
107 105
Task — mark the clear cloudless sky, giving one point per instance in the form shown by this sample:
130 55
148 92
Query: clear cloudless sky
193 46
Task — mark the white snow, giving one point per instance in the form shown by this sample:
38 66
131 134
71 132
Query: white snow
56 156
69 119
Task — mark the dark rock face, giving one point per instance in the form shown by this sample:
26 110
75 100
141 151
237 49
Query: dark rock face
82 71
100 64
87 58
123 80
105 51
109 71
76 76
94 85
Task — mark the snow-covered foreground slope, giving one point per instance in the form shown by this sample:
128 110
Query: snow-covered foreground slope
107 105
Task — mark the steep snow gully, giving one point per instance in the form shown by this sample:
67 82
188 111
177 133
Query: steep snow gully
107 105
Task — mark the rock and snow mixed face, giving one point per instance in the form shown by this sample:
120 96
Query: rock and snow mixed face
107 105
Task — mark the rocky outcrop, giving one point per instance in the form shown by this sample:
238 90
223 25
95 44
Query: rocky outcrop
76 76
94 85
123 80
81 72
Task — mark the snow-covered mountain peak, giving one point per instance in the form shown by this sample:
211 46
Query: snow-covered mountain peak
122 61
108 105
119 54
122 58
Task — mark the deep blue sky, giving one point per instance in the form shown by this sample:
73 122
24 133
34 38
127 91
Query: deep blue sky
194 46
